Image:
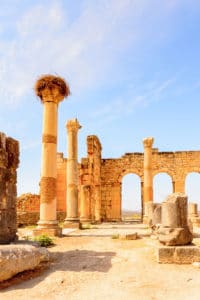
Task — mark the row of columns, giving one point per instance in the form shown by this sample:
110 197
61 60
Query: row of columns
51 95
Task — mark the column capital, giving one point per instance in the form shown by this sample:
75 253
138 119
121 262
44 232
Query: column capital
51 96
73 125
148 142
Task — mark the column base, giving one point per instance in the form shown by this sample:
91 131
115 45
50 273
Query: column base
50 228
84 223
71 223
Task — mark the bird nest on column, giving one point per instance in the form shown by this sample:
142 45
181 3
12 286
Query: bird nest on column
51 82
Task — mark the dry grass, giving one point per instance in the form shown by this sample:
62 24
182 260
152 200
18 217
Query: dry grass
51 82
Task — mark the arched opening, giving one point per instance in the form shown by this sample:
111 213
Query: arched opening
192 188
131 198
162 187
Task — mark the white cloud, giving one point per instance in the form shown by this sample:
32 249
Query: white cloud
127 104
86 50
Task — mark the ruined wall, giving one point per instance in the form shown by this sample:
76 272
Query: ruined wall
28 210
112 172
90 174
28 207
103 177
9 161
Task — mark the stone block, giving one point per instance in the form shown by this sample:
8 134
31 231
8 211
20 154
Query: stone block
129 236
165 255
18 258
178 254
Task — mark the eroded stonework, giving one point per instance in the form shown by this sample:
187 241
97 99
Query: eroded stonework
9 160
103 177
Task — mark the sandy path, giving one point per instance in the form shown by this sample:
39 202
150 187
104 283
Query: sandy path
89 265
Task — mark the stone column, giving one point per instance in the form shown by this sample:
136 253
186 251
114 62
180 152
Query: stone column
72 217
148 179
193 216
51 91
97 209
85 213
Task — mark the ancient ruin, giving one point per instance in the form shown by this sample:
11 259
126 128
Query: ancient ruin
100 179
9 159
91 191
174 229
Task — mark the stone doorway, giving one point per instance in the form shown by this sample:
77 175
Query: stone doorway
131 201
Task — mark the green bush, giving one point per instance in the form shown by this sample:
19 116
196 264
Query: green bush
44 240
115 236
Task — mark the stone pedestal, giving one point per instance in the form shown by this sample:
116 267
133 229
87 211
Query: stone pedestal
72 218
174 229
148 179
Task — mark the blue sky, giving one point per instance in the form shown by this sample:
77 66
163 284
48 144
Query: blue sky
133 67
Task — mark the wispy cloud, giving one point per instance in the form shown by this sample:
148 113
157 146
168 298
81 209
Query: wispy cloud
126 105
85 49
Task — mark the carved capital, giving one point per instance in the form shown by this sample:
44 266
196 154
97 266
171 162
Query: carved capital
148 142
73 125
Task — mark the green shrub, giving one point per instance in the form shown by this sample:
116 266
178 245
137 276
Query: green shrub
115 236
44 240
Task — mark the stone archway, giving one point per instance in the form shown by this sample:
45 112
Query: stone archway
131 200
162 186
192 187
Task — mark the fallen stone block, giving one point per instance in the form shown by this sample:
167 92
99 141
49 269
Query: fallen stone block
18 258
129 236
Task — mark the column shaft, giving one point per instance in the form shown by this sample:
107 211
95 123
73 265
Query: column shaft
48 167
148 179
72 172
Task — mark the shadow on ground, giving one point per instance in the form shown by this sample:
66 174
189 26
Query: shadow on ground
83 260
69 261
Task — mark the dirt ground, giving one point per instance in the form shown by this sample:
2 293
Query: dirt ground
91 265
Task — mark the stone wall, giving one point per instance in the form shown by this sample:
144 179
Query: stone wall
104 176
9 161
28 210
90 175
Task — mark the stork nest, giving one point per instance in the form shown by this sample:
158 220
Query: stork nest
51 82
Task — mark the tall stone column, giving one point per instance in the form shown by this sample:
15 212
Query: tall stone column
72 217
148 179
51 90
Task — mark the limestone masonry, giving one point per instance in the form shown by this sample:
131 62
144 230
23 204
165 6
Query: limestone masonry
100 180
9 160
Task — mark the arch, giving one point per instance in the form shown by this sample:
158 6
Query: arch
129 171
131 205
168 171
162 186
192 187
